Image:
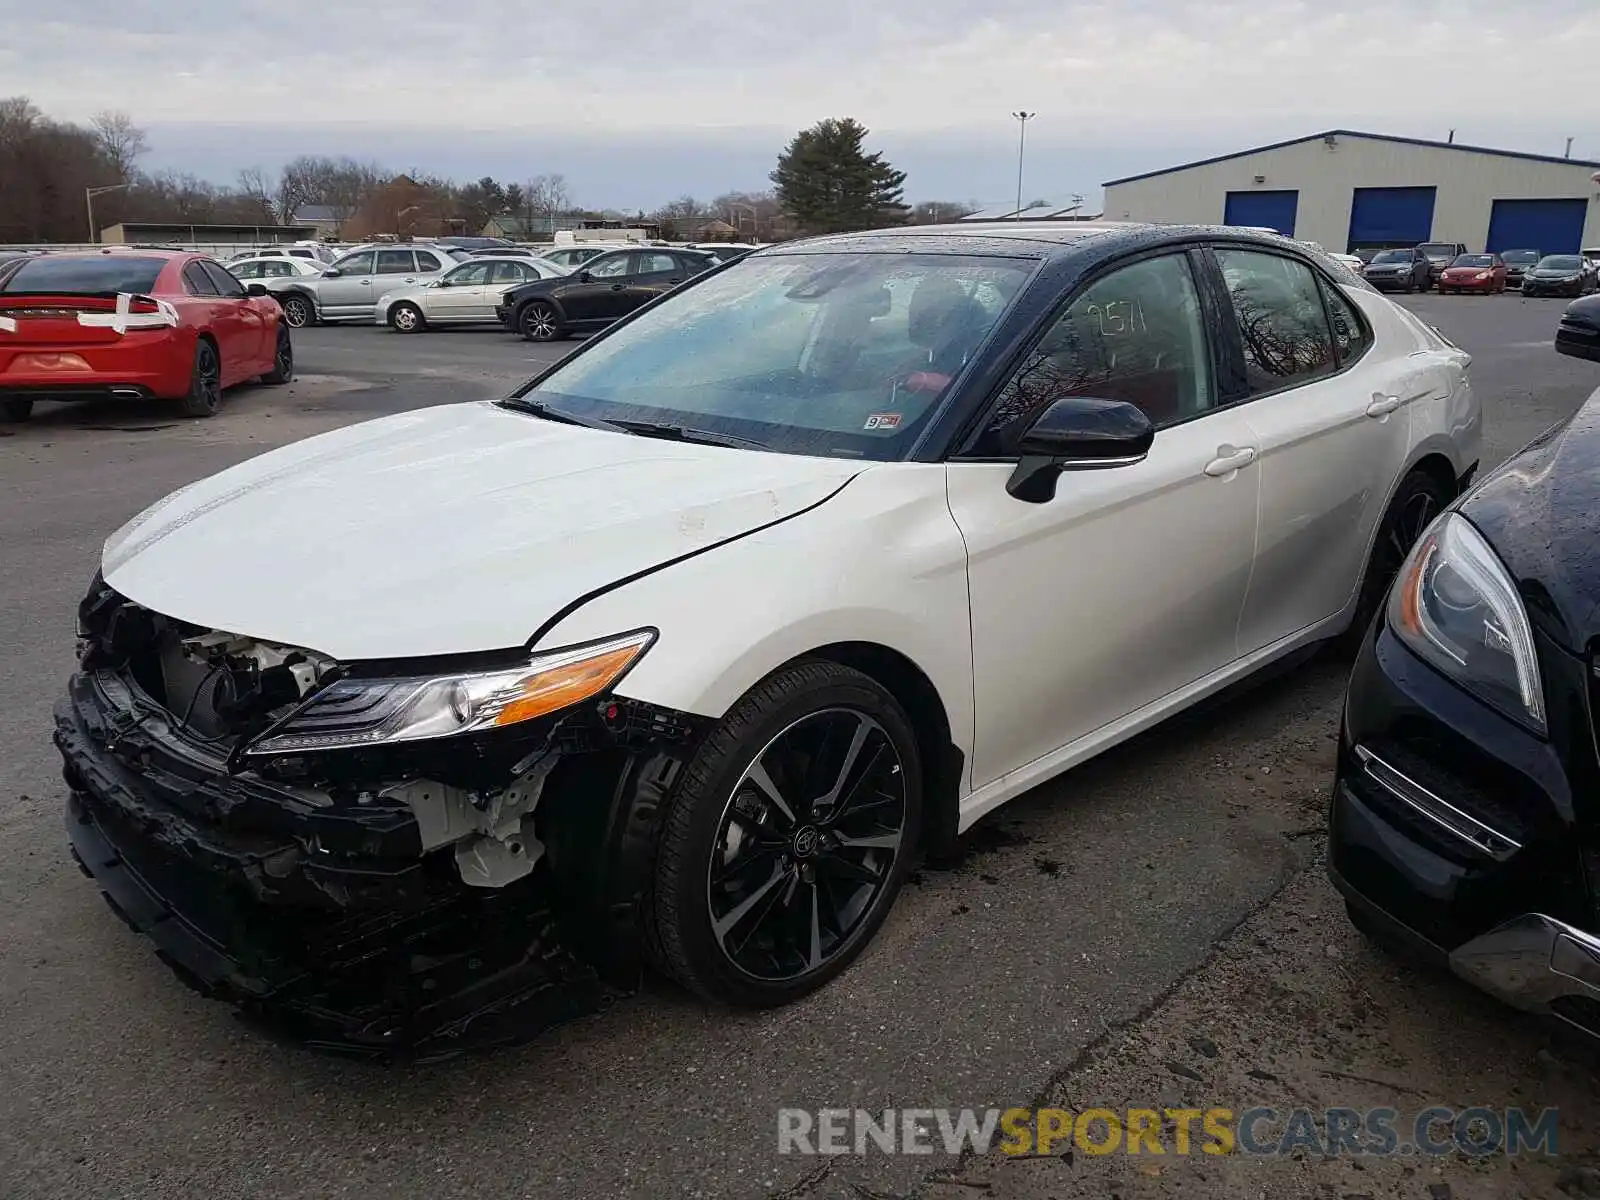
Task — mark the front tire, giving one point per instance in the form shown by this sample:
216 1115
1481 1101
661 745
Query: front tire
204 396
16 409
407 318
298 310
786 839
539 322
282 359
1417 501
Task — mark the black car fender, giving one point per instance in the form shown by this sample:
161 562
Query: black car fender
521 302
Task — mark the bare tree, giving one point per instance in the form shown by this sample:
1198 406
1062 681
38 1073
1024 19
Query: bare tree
120 140
255 192
547 195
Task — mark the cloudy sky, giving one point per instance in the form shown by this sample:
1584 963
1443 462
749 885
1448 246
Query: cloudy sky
637 103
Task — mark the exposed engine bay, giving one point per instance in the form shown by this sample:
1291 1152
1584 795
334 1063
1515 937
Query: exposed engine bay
421 897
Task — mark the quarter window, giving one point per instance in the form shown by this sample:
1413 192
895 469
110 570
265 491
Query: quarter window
1278 304
1135 335
1350 336
427 262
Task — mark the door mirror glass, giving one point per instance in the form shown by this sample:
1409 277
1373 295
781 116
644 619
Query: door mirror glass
1078 433
257 289
333 272
585 277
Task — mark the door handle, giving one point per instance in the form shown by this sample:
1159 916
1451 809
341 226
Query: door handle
1382 405
1229 459
616 287
411 278
366 283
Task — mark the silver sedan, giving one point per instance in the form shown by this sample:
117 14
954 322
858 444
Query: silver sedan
464 295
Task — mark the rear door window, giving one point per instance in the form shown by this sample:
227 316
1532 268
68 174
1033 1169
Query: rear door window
396 262
225 284
1277 303
197 283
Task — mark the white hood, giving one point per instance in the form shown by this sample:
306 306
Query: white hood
451 529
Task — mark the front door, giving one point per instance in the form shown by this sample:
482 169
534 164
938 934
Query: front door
461 294
344 294
1128 585
603 295
1334 433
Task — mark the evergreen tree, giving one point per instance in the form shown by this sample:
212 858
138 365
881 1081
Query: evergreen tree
829 184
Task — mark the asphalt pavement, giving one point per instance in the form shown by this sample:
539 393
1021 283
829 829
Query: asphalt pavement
1073 922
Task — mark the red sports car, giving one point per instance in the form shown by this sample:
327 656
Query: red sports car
161 324
1474 273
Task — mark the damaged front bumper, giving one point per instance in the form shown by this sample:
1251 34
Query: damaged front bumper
380 917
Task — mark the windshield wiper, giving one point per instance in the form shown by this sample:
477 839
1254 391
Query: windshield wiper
539 408
683 433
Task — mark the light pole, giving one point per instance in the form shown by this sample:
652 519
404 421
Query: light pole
1022 140
89 193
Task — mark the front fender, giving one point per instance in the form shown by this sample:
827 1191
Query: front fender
881 562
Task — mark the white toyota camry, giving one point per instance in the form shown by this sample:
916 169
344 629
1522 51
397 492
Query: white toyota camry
449 722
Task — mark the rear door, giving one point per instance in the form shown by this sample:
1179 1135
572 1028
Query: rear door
1328 411
251 349
655 272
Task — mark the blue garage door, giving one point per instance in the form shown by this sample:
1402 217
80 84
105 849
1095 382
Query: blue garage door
1384 217
1548 226
1263 210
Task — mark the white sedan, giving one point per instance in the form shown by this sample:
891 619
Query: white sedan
682 652
464 295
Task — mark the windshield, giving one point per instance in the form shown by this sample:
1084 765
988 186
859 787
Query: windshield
72 276
1520 258
1550 262
837 355
1393 256
1473 260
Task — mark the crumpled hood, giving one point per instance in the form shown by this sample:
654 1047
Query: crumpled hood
1538 512
451 529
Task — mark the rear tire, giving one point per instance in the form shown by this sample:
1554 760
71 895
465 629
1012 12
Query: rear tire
282 359
16 409
786 838
298 310
407 318
539 322
205 382
1417 501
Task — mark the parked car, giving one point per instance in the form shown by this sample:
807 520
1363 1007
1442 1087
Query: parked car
272 268
466 294
506 251
1518 263
599 292
573 257
1579 331
725 615
1558 275
1464 810
315 253
1354 262
1474 273
348 288
1441 254
147 324
1399 270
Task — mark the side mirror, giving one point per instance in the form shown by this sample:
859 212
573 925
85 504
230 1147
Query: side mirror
333 272
256 289
1578 335
1078 433
585 277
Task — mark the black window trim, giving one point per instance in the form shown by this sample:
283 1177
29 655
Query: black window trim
1236 338
189 284
207 265
967 437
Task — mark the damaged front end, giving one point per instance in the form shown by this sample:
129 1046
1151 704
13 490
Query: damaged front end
417 857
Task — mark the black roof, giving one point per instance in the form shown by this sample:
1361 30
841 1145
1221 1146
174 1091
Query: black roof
1356 133
1023 239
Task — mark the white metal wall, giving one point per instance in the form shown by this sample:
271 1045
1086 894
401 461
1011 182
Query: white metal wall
1326 176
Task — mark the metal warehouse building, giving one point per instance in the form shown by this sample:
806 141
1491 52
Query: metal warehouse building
1348 190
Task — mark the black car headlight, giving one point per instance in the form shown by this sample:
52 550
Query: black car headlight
369 711
1455 606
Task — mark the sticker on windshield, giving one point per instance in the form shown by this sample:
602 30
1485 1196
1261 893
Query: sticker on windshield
882 421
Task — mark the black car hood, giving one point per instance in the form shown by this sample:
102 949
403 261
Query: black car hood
1538 512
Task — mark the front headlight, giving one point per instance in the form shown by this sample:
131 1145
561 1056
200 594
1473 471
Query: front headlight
357 711
1455 606
1482 275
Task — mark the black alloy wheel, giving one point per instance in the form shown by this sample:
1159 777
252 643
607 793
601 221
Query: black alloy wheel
788 838
1417 501
205 382
539 322
282 359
